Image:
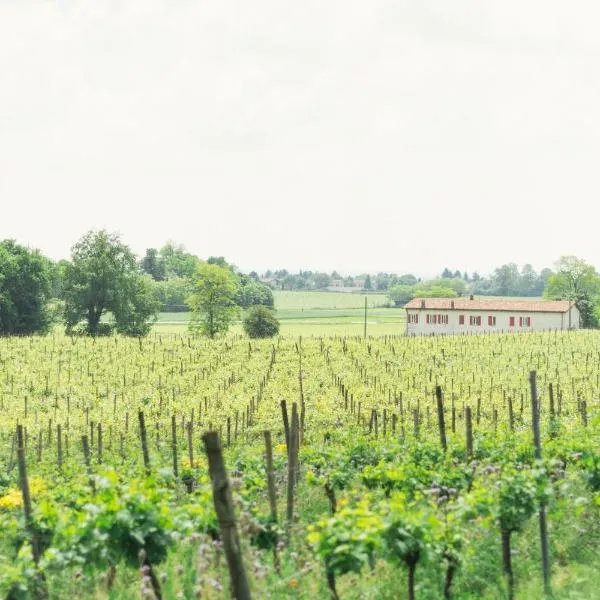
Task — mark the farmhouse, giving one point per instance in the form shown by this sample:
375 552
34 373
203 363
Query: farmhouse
461 315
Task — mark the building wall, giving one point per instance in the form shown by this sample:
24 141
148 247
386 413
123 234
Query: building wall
540 321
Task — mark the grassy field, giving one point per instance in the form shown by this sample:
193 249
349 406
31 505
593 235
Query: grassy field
316 314
325 300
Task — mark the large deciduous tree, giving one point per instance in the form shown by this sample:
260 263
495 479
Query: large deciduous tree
25 288
578 281
103 277
212 302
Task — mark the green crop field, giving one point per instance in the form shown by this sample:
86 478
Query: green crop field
406 467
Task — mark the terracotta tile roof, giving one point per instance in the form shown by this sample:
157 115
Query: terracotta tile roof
558 306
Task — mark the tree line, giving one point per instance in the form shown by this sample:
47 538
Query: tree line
103 288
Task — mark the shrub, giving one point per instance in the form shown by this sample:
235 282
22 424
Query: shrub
260 322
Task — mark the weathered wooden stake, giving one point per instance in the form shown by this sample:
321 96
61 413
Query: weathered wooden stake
440 412
535 422
240 588
144 440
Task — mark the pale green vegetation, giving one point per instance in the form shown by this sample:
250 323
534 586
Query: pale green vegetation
407 512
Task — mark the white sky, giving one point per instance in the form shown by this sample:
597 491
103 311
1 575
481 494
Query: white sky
322 134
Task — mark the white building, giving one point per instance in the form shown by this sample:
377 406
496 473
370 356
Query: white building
426 316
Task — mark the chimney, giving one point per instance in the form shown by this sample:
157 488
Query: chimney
452 304
422 303
471 297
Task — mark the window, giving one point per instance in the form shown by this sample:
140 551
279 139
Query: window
511 321
491 321
475 320
461 319
414 318
524 321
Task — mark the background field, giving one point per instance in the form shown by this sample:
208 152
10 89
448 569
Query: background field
315 314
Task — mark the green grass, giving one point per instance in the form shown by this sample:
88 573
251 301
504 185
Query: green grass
295 322
326 300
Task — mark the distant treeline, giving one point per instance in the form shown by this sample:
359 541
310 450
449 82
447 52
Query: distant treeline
506 280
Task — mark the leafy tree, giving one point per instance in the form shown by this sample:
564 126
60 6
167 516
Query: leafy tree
407 279
137 306
436 291
577 281
251 293
368 284
173 293
25 289
102 278
219 261
401 294
153 265
213 300
457 285
321 280
505 280
57 278
260 322
447 273
177 262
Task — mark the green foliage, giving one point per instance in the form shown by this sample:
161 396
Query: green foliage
213 300
176 262
348 540
407 532
401 294
260 322
577 281
153 265
516 494
138 307
435 291
103 278
25 278
116 524
172 293
252 293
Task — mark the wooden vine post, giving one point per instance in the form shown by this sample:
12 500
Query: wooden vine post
144 440
440 412
41 591
292 462
469 431
174 446
535 423
271 490
240 588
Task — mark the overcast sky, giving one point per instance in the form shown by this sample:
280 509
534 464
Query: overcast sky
353 135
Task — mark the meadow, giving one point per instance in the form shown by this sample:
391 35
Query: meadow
316 314
404 467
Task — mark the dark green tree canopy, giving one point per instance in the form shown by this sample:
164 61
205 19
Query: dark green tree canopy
25 288
260 322
103 277
153 265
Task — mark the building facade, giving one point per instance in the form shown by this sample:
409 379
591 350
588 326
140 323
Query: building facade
427 316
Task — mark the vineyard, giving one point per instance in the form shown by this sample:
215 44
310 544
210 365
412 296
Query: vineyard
388 467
